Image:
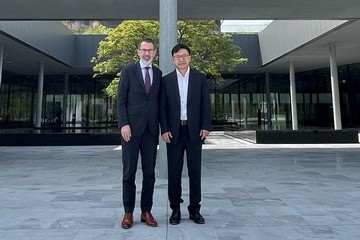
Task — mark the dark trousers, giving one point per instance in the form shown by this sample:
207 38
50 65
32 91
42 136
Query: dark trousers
175 155
146 145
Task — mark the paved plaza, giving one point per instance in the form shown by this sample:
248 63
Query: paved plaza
250 192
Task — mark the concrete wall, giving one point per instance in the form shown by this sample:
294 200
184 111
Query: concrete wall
86 48
281 37
250 49
50 37
56 40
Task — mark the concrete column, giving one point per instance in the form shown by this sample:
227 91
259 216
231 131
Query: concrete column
168 33
40 95
1 61
245 112
268 101
294 116
232 108
168 39
335 87
65 107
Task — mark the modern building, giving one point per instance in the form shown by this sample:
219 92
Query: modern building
300 74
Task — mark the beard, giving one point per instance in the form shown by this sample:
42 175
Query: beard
146 62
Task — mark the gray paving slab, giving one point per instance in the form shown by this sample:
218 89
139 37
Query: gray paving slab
250 191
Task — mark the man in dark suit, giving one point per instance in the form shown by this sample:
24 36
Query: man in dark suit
138 113
185 118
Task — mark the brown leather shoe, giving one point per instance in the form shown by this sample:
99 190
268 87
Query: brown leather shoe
127 221
147 218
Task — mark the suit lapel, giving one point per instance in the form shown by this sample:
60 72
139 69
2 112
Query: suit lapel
190 87
156 76
139 76
176 87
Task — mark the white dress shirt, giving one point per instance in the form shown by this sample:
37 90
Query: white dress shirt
143 70
183 83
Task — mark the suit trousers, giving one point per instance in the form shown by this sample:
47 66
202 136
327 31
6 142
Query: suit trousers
175 155
146 145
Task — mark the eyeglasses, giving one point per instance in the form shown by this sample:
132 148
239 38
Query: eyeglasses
146 50
184 57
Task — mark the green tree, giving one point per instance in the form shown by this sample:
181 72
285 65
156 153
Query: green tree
100 29
213 52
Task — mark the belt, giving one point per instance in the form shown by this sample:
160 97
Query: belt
183 122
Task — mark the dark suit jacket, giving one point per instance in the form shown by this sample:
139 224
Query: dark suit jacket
135 106
198 105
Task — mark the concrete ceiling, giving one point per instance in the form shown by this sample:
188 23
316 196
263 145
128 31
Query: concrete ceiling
312 55
187 9
18 54
315 54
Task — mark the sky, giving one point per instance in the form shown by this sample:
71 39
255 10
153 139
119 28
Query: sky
246 22
242 26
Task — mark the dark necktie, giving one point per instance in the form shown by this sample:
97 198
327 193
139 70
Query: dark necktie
147 80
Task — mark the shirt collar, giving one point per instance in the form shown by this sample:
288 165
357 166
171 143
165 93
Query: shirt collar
143 65
186 74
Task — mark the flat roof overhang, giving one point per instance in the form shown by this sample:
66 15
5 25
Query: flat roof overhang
310 56
187 9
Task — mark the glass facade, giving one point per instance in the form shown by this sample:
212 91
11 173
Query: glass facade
239 100
85 107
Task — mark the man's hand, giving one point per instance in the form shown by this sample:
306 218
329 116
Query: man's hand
166 137
204 133
126 132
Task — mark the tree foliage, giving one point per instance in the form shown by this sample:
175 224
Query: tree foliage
100 29
212 52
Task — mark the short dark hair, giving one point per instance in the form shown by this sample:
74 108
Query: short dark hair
178 47
148 40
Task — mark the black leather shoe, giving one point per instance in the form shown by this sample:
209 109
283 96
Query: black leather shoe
175 217
197 218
